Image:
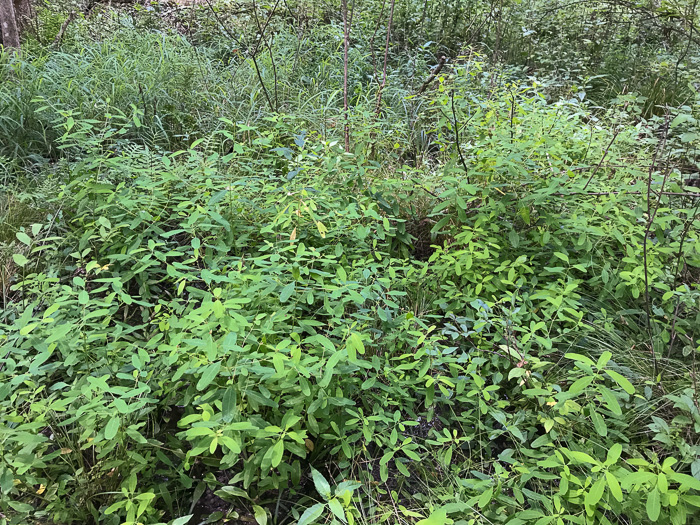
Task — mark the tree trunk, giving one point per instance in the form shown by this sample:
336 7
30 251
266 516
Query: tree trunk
8 24
22 13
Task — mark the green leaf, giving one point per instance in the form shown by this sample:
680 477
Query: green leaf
182 520
581 457
20 260
228 405
241 425
6 478
277 453
621 380
542 440
614 454
611 401
402 468
485 498
580 358
598 422
209 374
311 514
685 479
580 384
354 345
337 509
654 504
437 517
614 486
115 507
562 256
287 292
603 359
112 427
662 483
596 492
692 500
680 119
24 508
260 515
322 486
637 478
230 490
514 238
24 238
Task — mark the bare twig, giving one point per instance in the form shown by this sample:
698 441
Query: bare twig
650 220
254 53
346 48
434 73
64 26
512 115
605 154
690 40
418 184
457 142
386 58
603 193
371 42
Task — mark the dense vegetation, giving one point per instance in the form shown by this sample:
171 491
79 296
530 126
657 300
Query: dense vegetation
486 309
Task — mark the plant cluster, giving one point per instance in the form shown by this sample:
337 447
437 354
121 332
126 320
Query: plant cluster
486 311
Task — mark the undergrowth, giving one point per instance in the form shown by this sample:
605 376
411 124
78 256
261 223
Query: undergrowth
485 312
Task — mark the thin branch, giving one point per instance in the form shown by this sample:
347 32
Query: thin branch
346 48
253 55
434 73
605 154
512 115
418 184
386 58
274 69
457 142
371 42
264 27
650 220
603 193
222 26
64 26
690 39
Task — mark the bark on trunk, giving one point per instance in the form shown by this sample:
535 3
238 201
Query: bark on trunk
22 13
8 24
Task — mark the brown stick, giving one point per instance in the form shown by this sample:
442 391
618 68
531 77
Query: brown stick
386 59
346 48
617 132
650 221
253 55
603 193
457 142
64 26
435 72
371 42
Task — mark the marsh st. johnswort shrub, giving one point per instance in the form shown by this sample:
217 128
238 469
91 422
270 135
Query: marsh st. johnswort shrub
485 312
